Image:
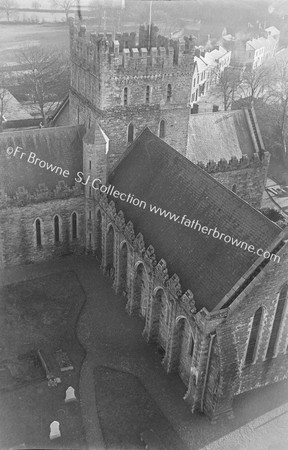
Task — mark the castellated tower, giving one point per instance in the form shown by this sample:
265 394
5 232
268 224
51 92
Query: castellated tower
125 87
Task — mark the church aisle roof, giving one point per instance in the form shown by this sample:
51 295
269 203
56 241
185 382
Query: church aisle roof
225 134
153 171
61 146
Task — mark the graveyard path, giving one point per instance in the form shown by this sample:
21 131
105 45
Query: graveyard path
113 339
93 432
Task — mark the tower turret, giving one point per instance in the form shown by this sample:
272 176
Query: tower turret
125 87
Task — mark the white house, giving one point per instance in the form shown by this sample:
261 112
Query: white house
207 70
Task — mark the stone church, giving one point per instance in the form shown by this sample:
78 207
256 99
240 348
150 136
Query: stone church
217 311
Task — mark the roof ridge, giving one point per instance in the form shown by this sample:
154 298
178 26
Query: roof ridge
42 130
60 107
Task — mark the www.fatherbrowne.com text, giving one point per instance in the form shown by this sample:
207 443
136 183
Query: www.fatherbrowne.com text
182 220
96 184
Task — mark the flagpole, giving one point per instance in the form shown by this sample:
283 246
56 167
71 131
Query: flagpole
150 23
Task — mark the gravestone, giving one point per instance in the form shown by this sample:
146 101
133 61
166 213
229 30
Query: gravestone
70 395
54 430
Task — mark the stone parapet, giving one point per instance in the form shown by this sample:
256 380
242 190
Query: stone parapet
95 50
235 164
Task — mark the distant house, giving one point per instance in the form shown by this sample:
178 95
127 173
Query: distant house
208 67
199 79
254 52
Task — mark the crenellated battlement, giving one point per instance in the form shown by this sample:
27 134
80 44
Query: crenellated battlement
235 164
152 53
127 81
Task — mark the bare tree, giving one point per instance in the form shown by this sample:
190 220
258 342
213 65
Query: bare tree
66 5
272 110
5 95
227 83
8 6
46 77
278 91
255 84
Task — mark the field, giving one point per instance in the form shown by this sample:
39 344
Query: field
14 36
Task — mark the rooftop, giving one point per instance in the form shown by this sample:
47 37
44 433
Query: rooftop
153 171
13 110
61 146
218 53
272 30
255 44
201 64
223 134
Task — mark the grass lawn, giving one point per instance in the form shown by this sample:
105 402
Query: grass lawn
126 409
14 36
39 314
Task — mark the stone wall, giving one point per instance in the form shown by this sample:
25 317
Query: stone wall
248 183
229 372
246 177
115 122
145 282
264 292
101 70
18 234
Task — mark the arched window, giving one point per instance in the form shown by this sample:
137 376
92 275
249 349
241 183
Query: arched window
125 96
278 317
147 95
234 188
38 232
56 229
253 338
98 237
191 346
130 132
169 92
74 225
162 129
167 312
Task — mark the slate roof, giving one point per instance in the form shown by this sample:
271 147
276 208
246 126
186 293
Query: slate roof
201 64
209 60
94 135
273 30
61 146
13 109
153 171
255 44
60 108
223 134
218 53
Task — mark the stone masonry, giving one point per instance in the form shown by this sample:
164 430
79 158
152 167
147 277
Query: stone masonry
118 83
